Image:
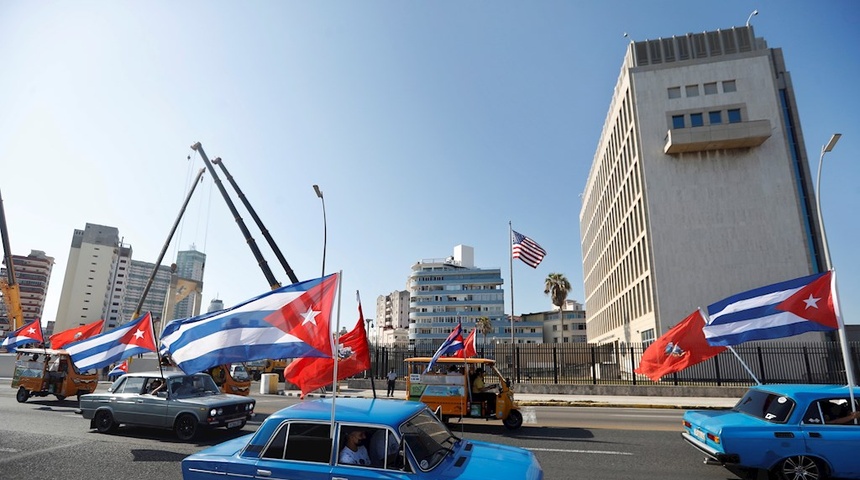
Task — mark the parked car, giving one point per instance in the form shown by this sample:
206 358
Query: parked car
184 403
403 440
790 431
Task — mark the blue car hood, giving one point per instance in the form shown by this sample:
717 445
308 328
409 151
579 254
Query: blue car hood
503 460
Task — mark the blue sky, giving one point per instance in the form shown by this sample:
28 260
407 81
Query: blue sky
426 125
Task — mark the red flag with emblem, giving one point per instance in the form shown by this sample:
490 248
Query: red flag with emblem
682 346
60 340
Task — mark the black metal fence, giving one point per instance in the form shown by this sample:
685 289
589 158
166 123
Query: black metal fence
572 363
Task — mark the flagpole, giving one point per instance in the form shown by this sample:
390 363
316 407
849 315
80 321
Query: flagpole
707 320
334 339
843 339
511 263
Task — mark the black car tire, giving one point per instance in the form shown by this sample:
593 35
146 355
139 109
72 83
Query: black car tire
514 420
104 422
800 466
185 427
22 395
60 397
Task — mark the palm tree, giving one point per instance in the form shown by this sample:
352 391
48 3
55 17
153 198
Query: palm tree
484 326
557 287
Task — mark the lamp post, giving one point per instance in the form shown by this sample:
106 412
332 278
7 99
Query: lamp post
325 228
754 13
826 148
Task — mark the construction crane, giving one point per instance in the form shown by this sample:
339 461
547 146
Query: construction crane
8 285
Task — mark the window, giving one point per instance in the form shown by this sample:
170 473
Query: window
711 88
692 90
677 121
715 118
735 115
308 442
729 86
647 337
674 92
696 120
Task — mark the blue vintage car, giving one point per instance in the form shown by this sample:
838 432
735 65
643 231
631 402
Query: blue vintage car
790 431
375 438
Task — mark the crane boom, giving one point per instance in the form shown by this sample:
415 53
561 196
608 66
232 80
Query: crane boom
9 286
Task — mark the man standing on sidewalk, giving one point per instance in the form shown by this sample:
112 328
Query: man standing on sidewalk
392 378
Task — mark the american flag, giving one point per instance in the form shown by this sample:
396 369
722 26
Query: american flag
527 249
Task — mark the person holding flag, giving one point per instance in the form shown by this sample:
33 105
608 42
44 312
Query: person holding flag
29 333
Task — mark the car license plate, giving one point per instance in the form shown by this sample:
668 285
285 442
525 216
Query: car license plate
234 423
699 434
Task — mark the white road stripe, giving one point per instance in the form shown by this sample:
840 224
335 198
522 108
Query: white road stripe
30 453
601 452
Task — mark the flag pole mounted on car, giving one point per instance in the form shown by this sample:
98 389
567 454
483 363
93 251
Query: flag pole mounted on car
334 352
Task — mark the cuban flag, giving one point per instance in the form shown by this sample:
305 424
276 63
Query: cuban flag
133 338
29 333
805 304
118 370
451 345
289 322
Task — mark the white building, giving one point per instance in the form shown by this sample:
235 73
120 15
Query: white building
392 318
700 186
32 274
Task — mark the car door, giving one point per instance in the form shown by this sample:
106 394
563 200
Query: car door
123 400
151 409
835 443
298 451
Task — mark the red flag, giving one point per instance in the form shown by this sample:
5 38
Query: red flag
120 369
469 350
60 340
353 355
682 346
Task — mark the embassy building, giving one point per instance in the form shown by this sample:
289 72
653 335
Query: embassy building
700 187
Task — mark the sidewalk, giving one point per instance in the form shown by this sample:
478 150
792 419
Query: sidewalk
553 399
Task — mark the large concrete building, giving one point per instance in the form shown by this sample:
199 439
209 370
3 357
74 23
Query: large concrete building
95 258
700 186
190 265
561 326
32 273
138 276
392 319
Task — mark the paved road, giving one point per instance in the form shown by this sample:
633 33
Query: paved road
45 439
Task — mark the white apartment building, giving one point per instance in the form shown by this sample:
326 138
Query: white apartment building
700 186
392 318
32 273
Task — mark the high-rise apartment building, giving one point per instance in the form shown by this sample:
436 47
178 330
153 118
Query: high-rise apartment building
700 186
93 272
138 276
447 291
190 265
32 273
392 318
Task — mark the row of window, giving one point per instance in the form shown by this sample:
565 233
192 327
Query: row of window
715 117
708 88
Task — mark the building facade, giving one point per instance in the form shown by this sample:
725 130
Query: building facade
392 318
32 273
700 186
138 276
565 326
190 265
88 283
450 291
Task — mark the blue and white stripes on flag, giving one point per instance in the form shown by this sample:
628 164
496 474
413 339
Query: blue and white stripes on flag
127 340
452 344
784 309
29 333
289 322
526 249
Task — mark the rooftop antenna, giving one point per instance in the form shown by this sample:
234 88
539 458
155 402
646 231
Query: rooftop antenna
754 13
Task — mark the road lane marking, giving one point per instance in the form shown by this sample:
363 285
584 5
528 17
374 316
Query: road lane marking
30 453
13 450
601 452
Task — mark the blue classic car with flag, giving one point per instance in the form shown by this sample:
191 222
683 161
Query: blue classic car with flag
373 438
791 431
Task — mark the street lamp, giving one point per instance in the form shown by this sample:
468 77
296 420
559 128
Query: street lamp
325 228
826 247
754 13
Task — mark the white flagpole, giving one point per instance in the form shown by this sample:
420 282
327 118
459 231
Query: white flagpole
335 339
511 260
843 339
707 319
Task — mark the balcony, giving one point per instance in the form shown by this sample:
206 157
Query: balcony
717 137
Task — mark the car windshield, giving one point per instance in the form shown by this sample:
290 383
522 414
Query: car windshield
766 406
239 373
428 439
193 386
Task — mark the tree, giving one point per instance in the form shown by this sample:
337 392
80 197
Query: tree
484 327
557 287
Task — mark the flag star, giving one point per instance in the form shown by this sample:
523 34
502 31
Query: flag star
31 331
138 334
811 301
310 316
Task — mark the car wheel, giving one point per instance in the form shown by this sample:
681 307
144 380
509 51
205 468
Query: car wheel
185 427
800 467
104 422
22 395
238 427
514 420
60 397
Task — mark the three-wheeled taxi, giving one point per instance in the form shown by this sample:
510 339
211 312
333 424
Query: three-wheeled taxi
447 387
232 378
40 372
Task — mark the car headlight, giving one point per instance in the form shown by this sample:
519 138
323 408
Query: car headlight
213 412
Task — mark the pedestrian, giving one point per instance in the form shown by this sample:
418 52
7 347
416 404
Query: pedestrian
392 378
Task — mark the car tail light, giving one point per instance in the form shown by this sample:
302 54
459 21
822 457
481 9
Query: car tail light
686 424
714 438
